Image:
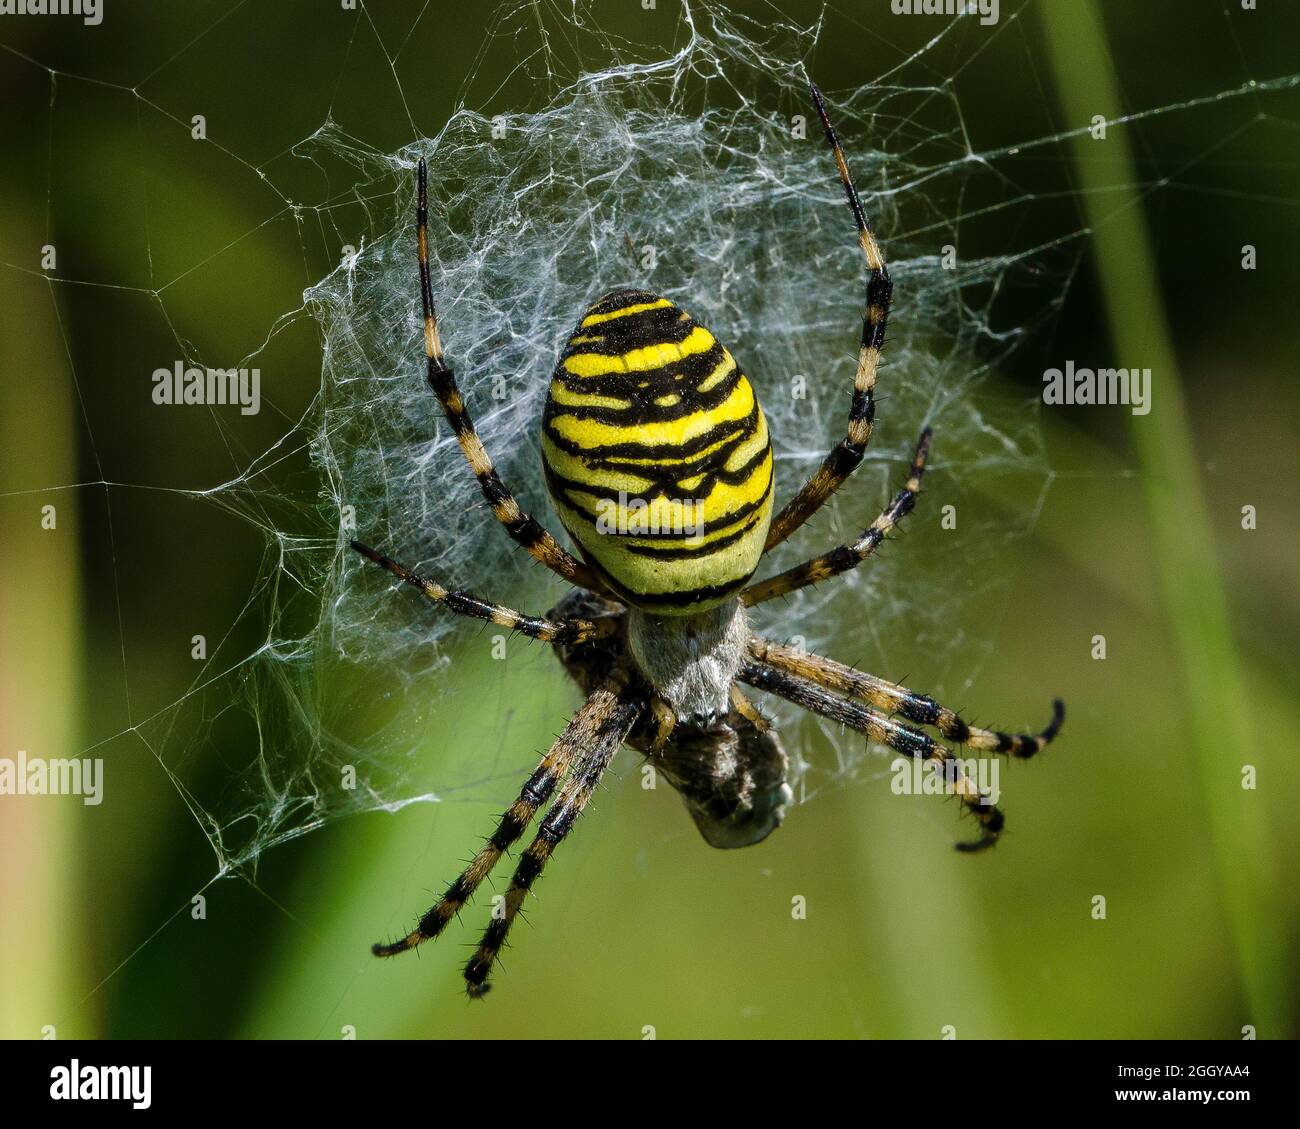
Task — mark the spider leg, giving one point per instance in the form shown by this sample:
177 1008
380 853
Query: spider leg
885 731
563 632
600 740
841 679
522 526
849 556
847 453
603 712
750 712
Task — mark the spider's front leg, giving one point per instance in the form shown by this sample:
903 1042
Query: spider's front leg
899 700
596 735
883 730
593 733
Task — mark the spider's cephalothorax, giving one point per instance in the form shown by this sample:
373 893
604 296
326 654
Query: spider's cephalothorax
658 459
729 771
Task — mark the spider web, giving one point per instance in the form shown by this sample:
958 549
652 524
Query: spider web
580 158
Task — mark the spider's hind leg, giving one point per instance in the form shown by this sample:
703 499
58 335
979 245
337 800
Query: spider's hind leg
845 456
525 529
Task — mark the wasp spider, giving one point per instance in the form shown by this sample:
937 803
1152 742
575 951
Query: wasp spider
646 406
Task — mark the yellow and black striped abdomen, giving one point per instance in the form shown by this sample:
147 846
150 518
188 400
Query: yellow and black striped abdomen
657 455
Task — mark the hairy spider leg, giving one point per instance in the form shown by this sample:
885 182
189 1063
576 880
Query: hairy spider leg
906 703
522 526
847 557
602 741
884 731
565 632
847 453
600 720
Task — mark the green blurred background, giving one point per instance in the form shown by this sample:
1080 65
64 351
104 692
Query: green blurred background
638 924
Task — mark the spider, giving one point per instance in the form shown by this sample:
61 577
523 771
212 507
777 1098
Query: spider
648 417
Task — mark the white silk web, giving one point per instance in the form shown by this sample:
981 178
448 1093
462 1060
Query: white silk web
693 166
